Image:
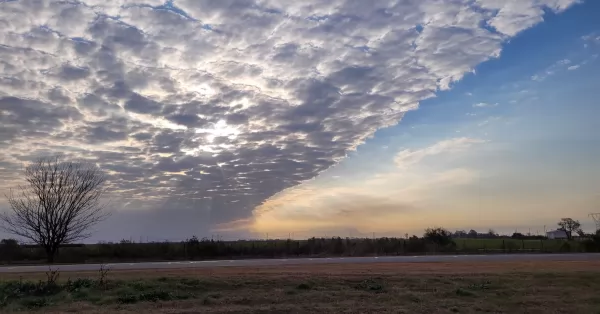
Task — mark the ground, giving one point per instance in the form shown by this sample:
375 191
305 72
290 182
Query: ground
509 287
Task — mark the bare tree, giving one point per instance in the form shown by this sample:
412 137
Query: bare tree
59 203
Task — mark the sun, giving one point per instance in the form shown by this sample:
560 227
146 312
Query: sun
219 129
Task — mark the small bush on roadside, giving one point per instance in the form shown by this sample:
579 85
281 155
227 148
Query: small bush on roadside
155 296
208 300
127 299
34 303
370 285
480 286
464 293
303 286
78 284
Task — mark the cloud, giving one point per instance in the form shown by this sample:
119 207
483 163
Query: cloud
484 105
408 157
573 67
514 16
216 106
551 70
590 39
365 207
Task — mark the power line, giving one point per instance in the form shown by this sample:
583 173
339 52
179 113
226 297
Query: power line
596 218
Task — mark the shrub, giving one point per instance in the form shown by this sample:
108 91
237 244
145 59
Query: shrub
79 284
155 296
464 293
127 299
438 236
33 303
370 285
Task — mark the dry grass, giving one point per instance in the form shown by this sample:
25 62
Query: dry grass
531 287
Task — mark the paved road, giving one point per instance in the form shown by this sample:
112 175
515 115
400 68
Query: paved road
309 261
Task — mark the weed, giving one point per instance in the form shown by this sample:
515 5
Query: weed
97 299
33 303
414 298
155 296
215 295
480 286
464 293
208 301
52 276
191 282
103 275
182 296
80 294
127 299
78 284
370 285
244 301
139 286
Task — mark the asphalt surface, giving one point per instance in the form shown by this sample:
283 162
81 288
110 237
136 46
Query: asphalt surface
310 261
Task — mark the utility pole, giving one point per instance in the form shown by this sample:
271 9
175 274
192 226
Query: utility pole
596 218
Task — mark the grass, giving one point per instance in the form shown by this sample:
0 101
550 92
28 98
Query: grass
519 245
393 288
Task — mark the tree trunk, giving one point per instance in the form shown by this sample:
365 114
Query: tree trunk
50 255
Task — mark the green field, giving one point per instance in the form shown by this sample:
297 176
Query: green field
550 246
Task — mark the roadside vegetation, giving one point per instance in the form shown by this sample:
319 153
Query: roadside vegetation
416 288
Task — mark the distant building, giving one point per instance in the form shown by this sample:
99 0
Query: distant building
557 234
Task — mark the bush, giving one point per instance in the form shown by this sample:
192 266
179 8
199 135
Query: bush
10 250
127 299
592 244
438 236
303 286
155 296
370 285
415 245
79 284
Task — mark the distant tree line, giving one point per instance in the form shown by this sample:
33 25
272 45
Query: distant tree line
434 240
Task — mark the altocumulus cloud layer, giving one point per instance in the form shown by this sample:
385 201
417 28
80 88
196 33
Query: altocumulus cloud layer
218 105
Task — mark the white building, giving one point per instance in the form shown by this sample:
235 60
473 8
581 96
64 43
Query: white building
556 234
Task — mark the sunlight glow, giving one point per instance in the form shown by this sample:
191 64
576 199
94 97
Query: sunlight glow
220 129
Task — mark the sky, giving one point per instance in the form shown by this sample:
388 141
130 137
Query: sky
265 118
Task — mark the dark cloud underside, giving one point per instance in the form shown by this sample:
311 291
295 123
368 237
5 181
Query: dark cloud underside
217 105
